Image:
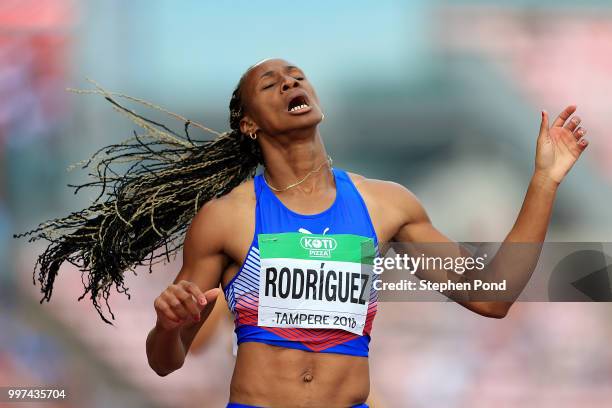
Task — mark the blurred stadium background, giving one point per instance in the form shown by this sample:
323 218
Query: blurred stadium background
441 96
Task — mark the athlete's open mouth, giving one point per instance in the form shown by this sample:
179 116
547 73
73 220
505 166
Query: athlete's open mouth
298 103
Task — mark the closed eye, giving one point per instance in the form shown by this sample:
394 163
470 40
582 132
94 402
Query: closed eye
299 78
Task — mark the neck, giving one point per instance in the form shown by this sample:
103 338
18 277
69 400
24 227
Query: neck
289 158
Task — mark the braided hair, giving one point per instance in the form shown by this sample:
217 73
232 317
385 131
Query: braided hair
147 207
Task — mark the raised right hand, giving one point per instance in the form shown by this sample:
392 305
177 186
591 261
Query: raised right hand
560 145
183 304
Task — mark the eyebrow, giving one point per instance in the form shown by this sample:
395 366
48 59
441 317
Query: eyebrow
270 73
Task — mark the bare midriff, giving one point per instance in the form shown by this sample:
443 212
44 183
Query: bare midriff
274 376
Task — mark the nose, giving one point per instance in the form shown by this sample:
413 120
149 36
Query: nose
289 82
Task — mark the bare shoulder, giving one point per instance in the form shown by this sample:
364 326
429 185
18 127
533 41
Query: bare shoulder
384 191
239 199
222 216
388 197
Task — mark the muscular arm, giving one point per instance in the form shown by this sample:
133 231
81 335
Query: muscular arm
405 220
558 148
203 262
530 226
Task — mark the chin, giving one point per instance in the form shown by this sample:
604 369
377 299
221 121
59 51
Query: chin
304 122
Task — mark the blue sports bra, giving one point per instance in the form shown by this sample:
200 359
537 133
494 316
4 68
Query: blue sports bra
347 215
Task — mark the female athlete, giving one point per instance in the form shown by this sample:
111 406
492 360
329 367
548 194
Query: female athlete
285 247
286 357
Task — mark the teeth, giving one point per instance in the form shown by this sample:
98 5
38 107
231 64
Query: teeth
295 108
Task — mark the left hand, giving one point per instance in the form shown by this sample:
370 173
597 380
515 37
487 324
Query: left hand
559 146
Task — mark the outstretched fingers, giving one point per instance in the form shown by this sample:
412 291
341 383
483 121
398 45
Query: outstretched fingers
573 123
564 116
575 142
578 133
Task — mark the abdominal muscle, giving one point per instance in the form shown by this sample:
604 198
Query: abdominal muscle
273 376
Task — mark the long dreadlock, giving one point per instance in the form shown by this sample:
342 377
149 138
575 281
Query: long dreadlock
148 207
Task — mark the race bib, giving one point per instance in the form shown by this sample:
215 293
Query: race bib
315 281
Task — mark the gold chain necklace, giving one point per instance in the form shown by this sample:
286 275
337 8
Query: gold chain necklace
328 161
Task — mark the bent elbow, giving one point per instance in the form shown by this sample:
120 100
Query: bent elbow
496 310
497 315
162 372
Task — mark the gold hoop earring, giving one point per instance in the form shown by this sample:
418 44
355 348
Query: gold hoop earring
253 135
322 116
